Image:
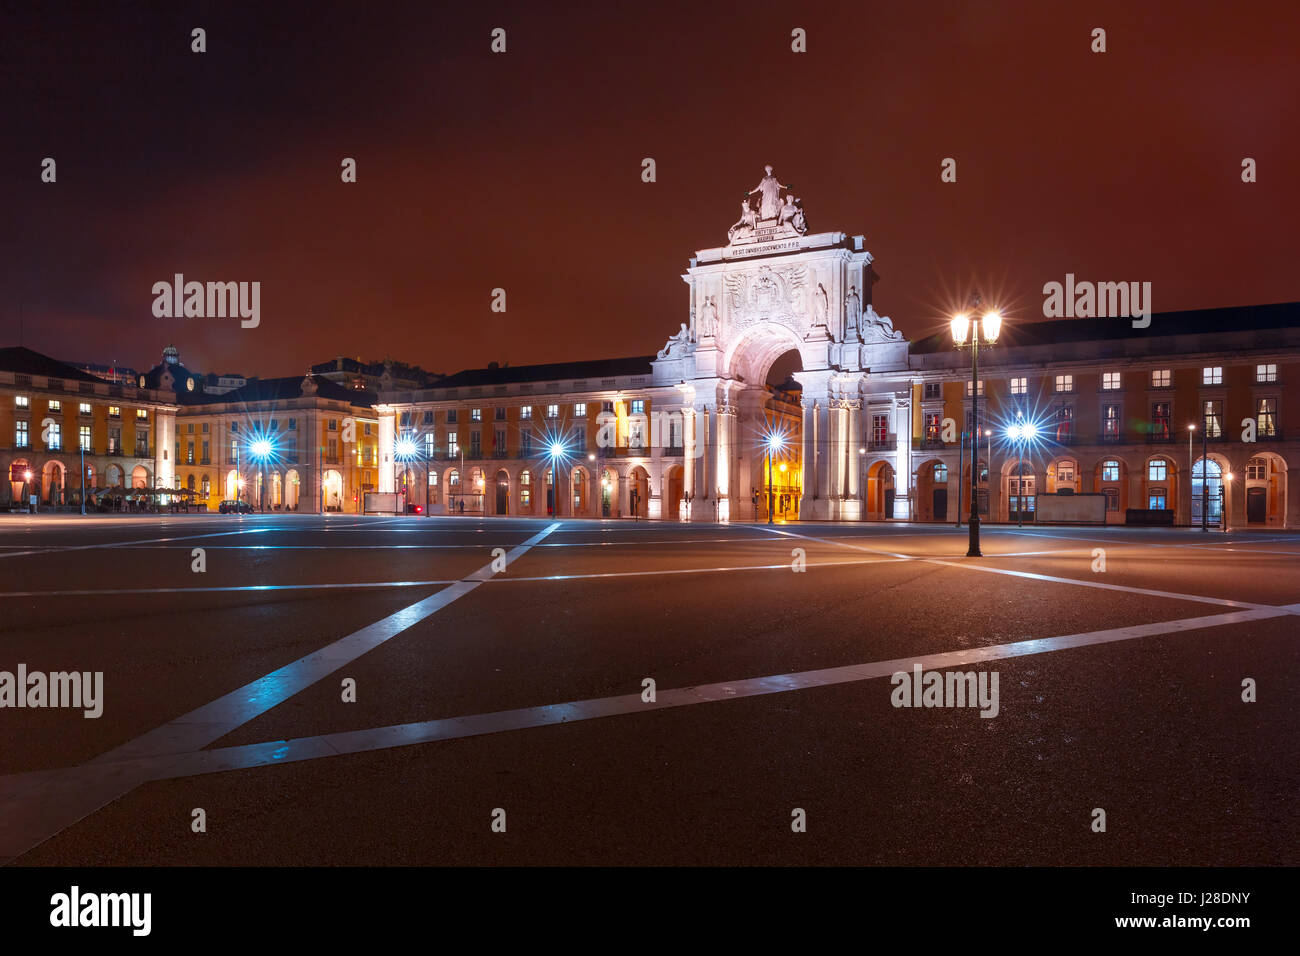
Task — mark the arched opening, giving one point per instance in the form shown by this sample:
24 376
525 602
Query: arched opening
932 491
1207 492
1265 484
232 485
1110 477
578 497
292 483
609 494
526 502
332 490
674 486
880 491
502 493
52 482
140 477
638 492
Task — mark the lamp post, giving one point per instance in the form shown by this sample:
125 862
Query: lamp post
1205 461
261 449
1191 472
774 444
987 328
83 477
403 452
1020 433
1223 501
557 454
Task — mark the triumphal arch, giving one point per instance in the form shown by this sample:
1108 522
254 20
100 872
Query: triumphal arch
778 296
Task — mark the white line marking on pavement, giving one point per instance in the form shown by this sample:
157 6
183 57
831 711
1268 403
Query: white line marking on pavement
29 800
1053 579
19 831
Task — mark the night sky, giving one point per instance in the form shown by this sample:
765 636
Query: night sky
523 170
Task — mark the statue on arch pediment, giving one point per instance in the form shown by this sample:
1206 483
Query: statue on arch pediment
678 345
707 317
879 328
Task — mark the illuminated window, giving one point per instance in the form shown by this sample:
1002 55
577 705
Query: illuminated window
580 408
85 439
552 411
1020 386
1160 420
1065 383
114 411
84 409
526 412
56 436
638 406
1158 470
1257 469
979 385
1265 373
1157 498
1110 470
476 414
56 405
20 435
1110 422
141 413
1110 381
453 447
940 473
1213 412
1266 417
1212 375
1161 377
22 401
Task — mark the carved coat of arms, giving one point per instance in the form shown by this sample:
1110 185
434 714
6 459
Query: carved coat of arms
777 295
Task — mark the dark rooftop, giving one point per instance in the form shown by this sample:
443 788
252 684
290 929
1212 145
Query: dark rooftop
24 361
1193 322
284 390
505 375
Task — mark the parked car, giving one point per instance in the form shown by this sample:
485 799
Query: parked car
235 508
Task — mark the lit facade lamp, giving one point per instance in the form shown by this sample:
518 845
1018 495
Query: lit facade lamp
968 332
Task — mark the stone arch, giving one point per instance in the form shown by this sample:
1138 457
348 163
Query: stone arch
140 477
332 490
750 355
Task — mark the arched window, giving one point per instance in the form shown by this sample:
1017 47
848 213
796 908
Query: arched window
1158 470
207 486
941 472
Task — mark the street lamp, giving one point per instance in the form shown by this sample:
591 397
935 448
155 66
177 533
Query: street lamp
1223 501
1020 433
556 452
261 451
404 451
774 445
987 328
1191 472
